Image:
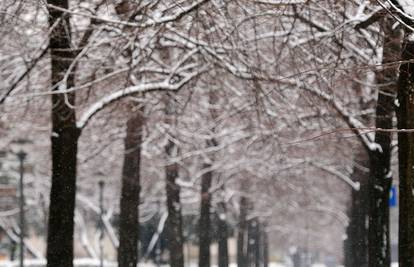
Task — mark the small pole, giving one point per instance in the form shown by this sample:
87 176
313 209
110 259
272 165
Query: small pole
101 223
158 246
21 156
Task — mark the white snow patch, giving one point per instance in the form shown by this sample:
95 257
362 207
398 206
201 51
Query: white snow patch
373 146
397 103
389 174
379 188
407 6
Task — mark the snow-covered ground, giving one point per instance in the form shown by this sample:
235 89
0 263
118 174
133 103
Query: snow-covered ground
81 262
86 262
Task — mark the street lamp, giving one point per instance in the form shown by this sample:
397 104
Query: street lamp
21 155
101 223
158 245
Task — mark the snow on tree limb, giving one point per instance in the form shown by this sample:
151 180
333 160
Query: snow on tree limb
367 139
154 21
407 8
404 9
280 2
355 185
112 97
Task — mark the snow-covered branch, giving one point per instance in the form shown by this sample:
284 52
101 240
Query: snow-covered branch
166 85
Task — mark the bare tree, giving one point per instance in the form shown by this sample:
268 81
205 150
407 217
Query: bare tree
130 192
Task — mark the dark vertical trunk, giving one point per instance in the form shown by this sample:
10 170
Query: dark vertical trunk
204 223
206 179
405 115
242 233
223 254
129 204
250 242
174 220
381 178
356 245
13 246
62 195
64 139
351 242
265 245
257 243
253 244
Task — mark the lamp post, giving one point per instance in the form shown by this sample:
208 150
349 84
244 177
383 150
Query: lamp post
158 245
21 155
101 223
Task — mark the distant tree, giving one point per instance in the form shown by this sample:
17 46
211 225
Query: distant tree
205 229
130 192
174 220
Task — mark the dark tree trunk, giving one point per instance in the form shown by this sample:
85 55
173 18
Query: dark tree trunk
259 245
356 245
265 242
204 223
64 139
206 179
174 220
405 115
253 244
223 254
381 178
242 234
351 243
129 204
254 247
250 242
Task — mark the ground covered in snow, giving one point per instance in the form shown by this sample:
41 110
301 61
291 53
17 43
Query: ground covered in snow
86 262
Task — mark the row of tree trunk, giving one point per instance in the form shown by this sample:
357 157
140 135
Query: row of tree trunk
65 135
64 139
252 239
369 244
405 120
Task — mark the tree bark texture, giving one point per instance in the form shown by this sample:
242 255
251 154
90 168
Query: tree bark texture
64 140
265 246
130 193
174 220
205 222
242 233
381 177
223 254
205 206
405 116
356 245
